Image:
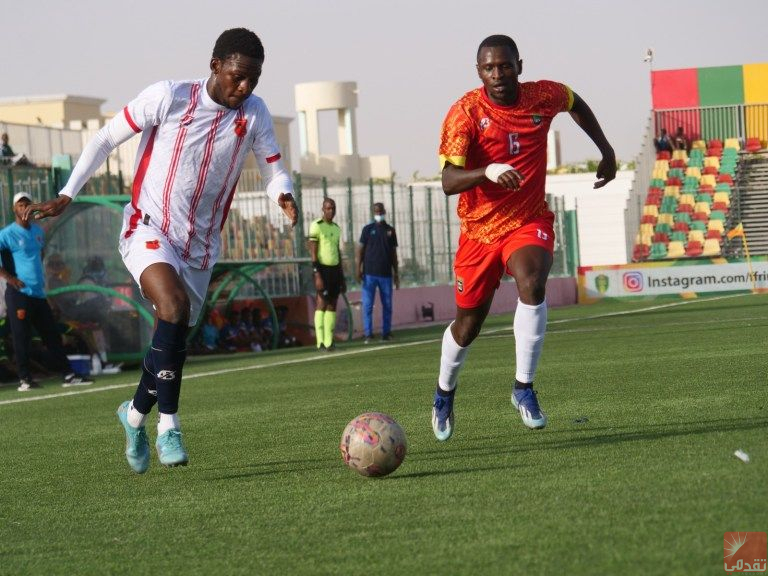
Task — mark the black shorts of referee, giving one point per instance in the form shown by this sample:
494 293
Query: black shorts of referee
332 280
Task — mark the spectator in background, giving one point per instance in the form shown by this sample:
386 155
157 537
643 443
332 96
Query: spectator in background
377 268
210 335
253 336
7 155
25 297
663 143
679 141
231 336
5 149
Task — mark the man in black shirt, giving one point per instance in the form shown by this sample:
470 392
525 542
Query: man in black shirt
377 267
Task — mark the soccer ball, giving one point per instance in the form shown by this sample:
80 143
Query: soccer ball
373 444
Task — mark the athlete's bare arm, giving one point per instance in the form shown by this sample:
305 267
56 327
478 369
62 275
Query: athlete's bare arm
457 180
585 118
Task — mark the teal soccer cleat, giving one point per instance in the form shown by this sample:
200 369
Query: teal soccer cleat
170 449
136 443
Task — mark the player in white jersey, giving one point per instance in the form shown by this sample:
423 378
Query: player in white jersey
195 137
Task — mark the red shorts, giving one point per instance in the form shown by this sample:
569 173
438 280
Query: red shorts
479 267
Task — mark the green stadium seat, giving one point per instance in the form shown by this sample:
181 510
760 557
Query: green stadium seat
683 217
658 251
663 228
699 225
678 237
717 215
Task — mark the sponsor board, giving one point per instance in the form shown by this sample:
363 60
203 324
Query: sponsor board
684 278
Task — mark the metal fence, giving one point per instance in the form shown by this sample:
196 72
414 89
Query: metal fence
424 218
740 121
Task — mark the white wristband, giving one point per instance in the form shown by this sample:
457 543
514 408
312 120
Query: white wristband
493 171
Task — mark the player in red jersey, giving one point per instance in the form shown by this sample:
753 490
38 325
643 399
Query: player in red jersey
493 151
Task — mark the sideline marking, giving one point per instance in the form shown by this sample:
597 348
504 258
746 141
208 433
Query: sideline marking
327 356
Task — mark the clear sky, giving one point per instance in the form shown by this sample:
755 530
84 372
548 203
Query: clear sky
411 59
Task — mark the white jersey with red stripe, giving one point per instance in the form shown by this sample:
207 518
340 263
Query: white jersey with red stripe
188 163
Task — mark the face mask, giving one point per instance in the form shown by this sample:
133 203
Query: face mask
378 217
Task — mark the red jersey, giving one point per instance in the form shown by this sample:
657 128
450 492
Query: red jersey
477 132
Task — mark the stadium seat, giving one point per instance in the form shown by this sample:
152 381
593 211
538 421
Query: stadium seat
661 165
753 145
706 198
666 218
683 217
698 145
712 161
640 252
677 173
640 239
648 219
714 235
693 172
700 216
646 230
711 248
715 143
678 164
685 208
696 236
699 225
660 237
681 227
723 188
678 237
694 249
663 228
716 213
663 155
657 183
714 171
675 250
658 251
650 210
716 225
725 179
672 191
732 143
680 155
660 175
707 180
723 197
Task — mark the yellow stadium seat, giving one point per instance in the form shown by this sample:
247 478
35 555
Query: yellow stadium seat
661 165
693 172
675 249
659 175
687 199
716 225
643 239
646 230
702 207
666 219
711 247
672 191
722 197
680 155
708 180
695 236
699 145
732 143
650 210
712 161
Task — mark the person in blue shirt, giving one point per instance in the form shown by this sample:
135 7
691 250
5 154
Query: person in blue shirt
22 243
377 268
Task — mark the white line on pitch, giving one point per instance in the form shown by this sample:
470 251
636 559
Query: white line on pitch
328 356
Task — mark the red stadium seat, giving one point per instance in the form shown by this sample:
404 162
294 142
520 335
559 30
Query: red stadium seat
715 143
648 219
685 208
640 252
753 145
694 249
710 170
706 189
716 234
680 227
660 237
663 155
720 206
674 182
727 178
703 216
678 164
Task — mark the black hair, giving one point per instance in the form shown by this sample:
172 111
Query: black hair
238 41
498 40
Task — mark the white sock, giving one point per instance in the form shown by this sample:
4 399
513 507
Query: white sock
451 361
136 418
530 326
168 422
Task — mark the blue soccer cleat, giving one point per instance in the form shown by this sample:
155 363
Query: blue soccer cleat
528 405
442 416
170 449
136 443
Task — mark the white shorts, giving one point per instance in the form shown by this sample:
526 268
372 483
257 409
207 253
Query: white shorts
147 246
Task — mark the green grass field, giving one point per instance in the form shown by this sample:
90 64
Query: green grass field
635 473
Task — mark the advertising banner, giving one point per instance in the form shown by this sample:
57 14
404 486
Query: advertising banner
682 277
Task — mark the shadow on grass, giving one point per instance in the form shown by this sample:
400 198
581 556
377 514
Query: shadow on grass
587 437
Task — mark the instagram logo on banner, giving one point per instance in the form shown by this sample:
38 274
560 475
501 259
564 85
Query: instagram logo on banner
633 281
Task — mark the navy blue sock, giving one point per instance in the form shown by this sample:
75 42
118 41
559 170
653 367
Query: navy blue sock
168 352
145 397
